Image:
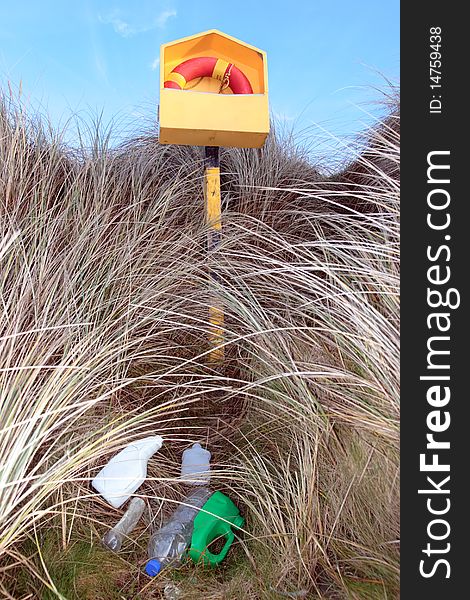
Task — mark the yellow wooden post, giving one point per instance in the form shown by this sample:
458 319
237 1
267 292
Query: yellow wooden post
214 222
205 111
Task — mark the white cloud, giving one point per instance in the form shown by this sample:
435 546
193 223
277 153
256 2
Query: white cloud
154 65
128 29
123 28
163 17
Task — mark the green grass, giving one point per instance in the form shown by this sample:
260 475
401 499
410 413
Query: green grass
80 571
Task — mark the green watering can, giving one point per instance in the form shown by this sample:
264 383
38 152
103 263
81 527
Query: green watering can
223 515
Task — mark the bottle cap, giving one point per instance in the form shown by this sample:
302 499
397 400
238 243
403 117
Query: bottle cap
153 567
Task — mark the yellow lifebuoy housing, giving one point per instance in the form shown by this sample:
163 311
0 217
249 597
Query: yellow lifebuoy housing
208 102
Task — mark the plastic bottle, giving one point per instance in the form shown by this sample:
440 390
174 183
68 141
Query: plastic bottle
195 465
114 537
172 592
126 471
168 544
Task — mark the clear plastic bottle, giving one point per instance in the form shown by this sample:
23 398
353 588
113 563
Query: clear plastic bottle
168 544
114 537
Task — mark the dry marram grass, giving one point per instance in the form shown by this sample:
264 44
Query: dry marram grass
103 338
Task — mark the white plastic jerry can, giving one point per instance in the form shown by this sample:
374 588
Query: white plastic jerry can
195 465
126 471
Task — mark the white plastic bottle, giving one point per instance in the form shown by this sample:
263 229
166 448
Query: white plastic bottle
195 465
114 537
126 471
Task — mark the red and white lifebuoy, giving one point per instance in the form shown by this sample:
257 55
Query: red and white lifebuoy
209 66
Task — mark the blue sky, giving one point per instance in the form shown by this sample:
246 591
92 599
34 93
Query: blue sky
93 56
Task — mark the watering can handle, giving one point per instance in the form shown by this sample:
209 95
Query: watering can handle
228 534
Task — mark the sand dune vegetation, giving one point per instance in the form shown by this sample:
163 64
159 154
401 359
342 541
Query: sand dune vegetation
104 338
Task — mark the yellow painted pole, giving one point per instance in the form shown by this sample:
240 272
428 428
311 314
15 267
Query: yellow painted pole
213 220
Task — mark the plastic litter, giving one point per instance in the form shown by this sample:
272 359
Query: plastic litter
168 544
114 537
172 592
195 465
189 531
214 522
126 471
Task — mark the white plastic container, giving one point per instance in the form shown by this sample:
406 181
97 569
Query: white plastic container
126 471
195 465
